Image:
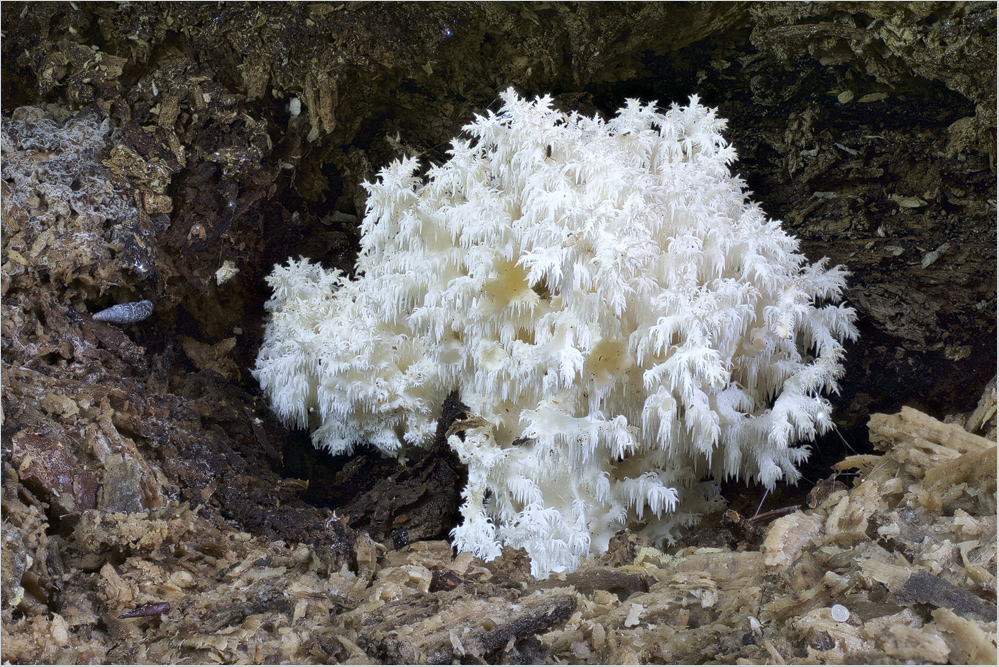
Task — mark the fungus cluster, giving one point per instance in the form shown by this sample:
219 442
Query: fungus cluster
624 324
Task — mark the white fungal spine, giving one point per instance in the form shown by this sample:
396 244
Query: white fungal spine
126 313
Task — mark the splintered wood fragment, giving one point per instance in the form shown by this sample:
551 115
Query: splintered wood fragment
450 628
986 409
927 442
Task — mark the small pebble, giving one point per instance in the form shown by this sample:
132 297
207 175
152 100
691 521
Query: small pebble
840 613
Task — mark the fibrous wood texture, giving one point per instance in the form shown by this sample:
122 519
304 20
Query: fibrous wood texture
148 145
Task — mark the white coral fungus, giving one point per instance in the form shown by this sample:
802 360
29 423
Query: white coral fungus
604 298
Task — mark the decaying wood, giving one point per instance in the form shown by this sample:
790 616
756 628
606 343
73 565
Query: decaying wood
147 146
